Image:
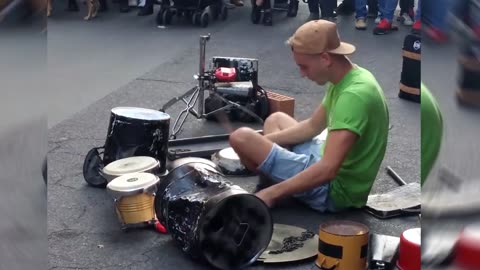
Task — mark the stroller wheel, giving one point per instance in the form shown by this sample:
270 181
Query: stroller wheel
196 18
164 17
204 19
167 17
159 17
224 13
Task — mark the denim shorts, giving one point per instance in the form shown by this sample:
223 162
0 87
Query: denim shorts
282 164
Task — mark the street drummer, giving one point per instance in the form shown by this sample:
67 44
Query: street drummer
340 173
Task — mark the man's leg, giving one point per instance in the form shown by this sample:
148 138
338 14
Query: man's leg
251 147
278 121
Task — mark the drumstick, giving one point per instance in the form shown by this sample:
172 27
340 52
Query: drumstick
224 121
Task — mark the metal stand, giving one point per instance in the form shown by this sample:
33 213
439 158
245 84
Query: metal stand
205 83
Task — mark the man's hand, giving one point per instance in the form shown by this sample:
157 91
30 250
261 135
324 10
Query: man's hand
267 196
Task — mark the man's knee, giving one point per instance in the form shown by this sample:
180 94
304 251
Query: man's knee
241 137
276 118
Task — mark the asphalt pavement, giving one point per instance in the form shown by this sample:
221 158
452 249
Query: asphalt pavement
148 66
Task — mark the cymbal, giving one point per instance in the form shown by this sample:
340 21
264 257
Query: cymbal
302 249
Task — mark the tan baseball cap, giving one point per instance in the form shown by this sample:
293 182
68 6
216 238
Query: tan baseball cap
319 36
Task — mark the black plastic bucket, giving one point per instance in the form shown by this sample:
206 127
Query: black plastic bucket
411 68
137 132
211 219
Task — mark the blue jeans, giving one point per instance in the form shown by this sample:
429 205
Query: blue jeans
282 164
360 9
435 13
387 8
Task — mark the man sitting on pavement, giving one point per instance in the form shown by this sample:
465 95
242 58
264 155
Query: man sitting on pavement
340 173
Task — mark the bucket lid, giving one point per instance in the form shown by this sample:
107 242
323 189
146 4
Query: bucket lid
410 251
132 182
344 228
130 165
140 113
413 236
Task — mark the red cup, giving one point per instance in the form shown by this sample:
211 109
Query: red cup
409 253
467 250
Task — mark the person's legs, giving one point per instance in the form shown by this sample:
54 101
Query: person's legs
282 164
314 10
372 8
360 9
435 18
328 6
278 121
437 13
387 8
253 148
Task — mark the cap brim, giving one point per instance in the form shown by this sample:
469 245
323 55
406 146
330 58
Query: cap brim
344 49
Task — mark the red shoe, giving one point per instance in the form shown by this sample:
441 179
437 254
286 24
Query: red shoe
417 27
436 34
384 27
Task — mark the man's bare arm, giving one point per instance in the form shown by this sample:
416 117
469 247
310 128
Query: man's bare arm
303 131
336 150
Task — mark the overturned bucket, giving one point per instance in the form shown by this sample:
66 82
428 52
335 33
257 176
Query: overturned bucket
211 219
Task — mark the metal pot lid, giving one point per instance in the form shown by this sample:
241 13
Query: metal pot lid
130 165
140 113
276 251
228 160
132 182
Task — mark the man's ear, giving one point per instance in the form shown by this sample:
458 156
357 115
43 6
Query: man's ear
327 59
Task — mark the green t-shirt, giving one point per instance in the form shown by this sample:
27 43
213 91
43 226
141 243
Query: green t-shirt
357 103
432 129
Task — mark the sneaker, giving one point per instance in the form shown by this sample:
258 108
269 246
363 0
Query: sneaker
406 19
313 17
435 34
384 27
345 9
417 27
360 24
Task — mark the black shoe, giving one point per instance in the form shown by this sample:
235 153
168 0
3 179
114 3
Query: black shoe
267 18
72 5
345 9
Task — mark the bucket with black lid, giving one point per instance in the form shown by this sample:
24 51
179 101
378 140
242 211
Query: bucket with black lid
209 218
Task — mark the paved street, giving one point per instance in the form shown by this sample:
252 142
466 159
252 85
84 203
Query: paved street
124 60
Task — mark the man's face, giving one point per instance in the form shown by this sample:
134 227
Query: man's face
314 67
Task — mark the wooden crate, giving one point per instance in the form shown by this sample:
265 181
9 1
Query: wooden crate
281 103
